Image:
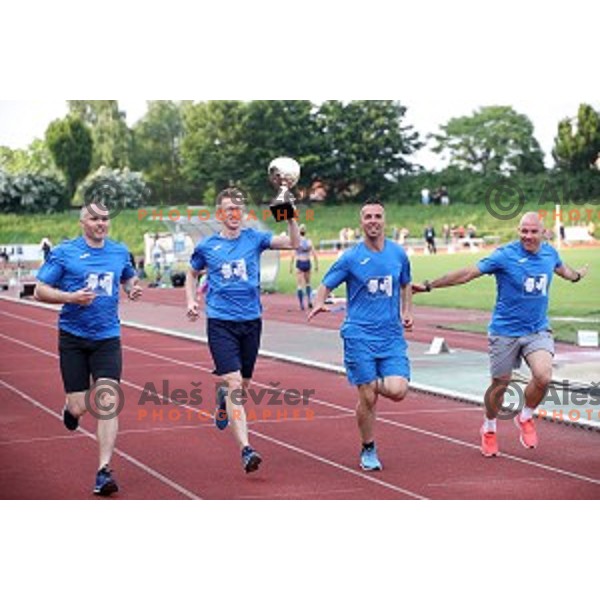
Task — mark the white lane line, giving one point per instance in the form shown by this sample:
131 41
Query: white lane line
149 470
382 420
396 424
266 437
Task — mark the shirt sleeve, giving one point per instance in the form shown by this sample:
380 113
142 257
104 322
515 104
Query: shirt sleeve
53 269
198 260
337 273
264 240
405 273
493 263
405 269
557 259
128 270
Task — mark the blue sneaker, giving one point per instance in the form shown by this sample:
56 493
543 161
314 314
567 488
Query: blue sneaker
251 459
221 418
369 460
105 482
71 422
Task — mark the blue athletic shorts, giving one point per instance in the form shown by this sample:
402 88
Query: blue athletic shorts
303 265
367 361
234 345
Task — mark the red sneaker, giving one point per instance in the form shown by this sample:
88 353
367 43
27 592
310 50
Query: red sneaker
489 443
528 435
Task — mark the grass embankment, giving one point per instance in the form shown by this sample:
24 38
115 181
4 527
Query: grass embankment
324 223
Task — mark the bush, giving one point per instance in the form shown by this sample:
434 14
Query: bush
115 186
28 193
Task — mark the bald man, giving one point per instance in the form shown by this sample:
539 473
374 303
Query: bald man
519 328
84 275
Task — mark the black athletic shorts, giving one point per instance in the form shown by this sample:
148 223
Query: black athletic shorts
82 359
234 345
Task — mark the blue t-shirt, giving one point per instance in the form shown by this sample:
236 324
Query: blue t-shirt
373 281
522 285
233 274
74 265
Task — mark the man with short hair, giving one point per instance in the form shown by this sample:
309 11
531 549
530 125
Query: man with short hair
379 308
233 308
519 327
84 275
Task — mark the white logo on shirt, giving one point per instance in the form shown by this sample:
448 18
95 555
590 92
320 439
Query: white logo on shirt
236 269
85 255
535 285
522 260
380 286
364 261
100 283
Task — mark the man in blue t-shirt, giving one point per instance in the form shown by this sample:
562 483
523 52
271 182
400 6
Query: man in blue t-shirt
84 275
519 327
233 309
377 276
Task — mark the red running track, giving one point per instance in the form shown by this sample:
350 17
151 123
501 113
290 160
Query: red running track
428 444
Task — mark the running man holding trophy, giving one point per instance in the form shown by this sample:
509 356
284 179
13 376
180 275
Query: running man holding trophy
233 308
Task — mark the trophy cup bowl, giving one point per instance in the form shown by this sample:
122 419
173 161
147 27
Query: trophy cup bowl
284 173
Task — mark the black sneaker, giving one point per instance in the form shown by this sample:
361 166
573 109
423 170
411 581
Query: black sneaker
71 422
105 482
251 459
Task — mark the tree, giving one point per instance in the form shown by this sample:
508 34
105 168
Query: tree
70 144
157 140
493 140
365 146
111 136
278 128
35 159
213 148
577 144
357 149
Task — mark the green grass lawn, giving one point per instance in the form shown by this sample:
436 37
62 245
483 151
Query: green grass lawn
566 299
574 300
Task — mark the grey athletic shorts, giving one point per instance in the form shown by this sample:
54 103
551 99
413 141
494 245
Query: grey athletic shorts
506 353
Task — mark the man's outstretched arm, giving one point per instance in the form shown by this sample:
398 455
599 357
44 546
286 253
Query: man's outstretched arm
570 274
458 277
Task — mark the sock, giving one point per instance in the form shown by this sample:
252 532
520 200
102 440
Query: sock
301 298
309 294
369 446
489 425
526 414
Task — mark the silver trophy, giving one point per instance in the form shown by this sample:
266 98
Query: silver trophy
284 174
